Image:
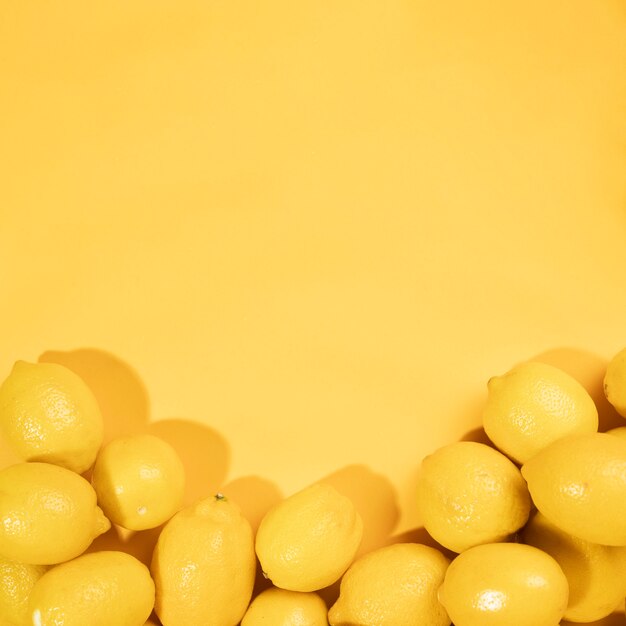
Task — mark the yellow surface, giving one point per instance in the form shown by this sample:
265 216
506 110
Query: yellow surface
313 229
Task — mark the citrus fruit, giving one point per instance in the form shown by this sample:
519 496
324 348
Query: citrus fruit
204 565
16 582
393 586
579 484
615 382
504 584
533 405
596 574
49 414
468 494
280 607
98 589
139 480
48 514
620 431
307 541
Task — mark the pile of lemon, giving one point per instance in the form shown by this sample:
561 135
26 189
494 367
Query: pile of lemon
531 530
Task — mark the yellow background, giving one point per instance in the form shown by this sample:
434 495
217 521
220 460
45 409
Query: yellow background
297 237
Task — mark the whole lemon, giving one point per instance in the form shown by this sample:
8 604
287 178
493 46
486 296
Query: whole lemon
48 514
615 382
16 583
204 565
49 414
280 607
469 494
579 484
393 586
140 481
307 541
98 589
596 574
533 405
504 584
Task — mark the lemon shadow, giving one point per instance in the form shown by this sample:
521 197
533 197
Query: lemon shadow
616 619
203 451
589 370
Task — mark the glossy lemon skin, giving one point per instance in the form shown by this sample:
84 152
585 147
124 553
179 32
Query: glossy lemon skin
533 405
139 480
579 484
469 494
98 589
49 414
204 565
280 607
48 514
393 586
307 541
504 584
596 574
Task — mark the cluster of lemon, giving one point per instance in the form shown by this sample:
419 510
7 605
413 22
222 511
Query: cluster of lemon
532 530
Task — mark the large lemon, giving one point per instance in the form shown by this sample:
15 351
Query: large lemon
393 586
469 493
98 589
307 541
533 405
48 514
48 413
204 565
579 484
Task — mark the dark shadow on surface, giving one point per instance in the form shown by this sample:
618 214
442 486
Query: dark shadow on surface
375 499
203 451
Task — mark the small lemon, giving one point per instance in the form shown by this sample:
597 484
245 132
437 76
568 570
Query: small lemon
504 584
307 541
16 582
280 607
49 414
48 514
579 484
533 405
615 382
393 586
468 494
204 565
98 589
140 481
596 574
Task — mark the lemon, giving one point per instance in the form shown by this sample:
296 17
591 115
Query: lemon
48 413
393 586
48 514
596 574
579 484
280 607
469 494
504 584
620 431
16 582
204 565
140 481
533 405
615 382
307 541
99 589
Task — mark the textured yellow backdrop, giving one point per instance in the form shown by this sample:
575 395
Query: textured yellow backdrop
297 238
